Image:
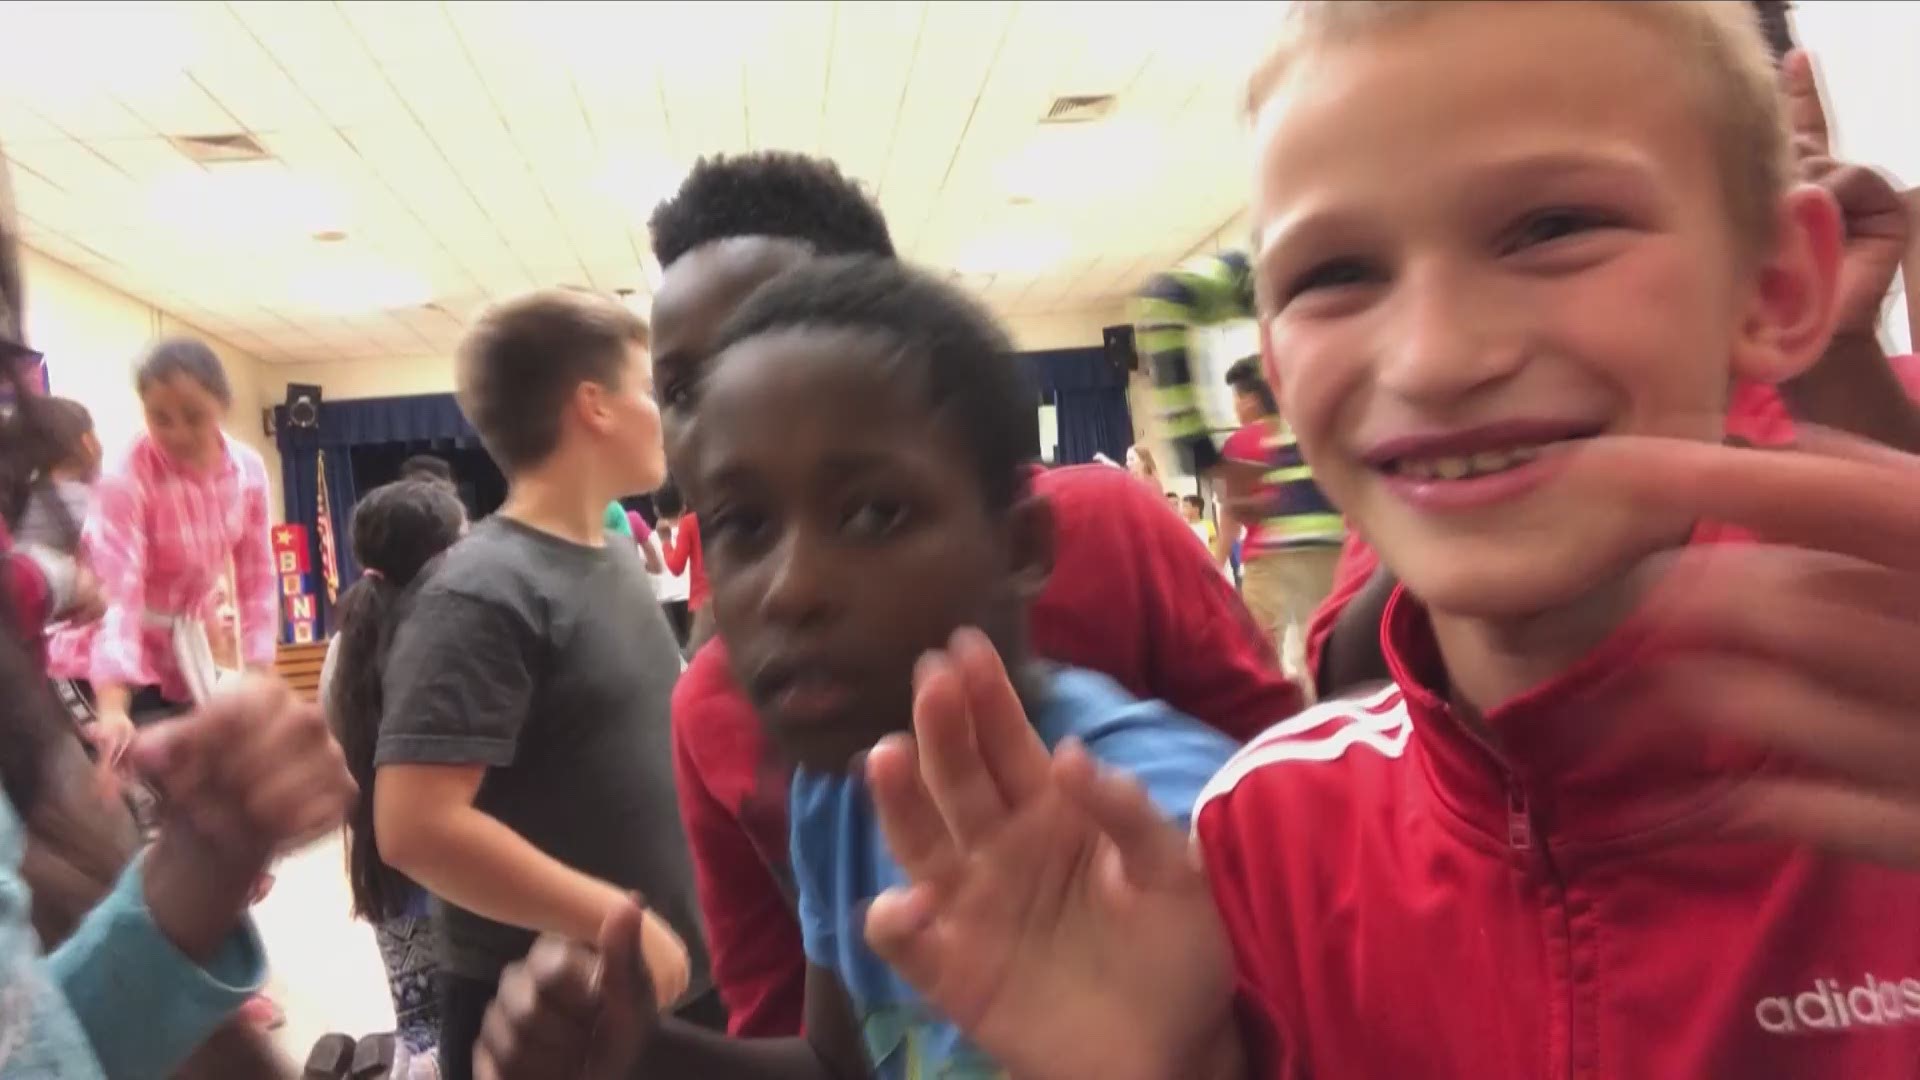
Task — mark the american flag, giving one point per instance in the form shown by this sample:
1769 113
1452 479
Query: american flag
323 529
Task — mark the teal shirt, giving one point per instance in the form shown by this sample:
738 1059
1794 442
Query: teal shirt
117 999
616 520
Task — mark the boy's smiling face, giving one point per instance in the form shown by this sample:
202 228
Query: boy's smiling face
1483 235
846 532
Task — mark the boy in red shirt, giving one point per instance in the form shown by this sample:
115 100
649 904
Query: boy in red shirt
1130 596
1588 831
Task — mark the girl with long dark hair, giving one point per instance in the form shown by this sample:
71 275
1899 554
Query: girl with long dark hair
399 530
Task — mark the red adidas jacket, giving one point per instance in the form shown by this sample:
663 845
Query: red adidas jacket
1572 906
1133 595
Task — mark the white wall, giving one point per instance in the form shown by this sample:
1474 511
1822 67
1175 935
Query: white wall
93 333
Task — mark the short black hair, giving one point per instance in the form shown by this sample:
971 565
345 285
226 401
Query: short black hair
1195 501
769 193
518 365
667 500
1245 377
971 371
184 356
426 467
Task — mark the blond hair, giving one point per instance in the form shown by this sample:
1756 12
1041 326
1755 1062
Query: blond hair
1722 48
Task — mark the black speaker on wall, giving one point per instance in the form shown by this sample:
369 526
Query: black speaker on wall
1118 342
303 406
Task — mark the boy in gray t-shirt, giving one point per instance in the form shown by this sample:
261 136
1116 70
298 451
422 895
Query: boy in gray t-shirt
524 774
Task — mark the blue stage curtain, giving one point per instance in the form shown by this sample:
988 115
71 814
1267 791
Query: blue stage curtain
343 425
1089 395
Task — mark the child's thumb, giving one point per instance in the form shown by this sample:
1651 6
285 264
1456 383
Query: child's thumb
626 995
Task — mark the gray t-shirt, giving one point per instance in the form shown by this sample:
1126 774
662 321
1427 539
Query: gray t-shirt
551 664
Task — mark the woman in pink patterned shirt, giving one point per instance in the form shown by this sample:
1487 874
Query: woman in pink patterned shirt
180 526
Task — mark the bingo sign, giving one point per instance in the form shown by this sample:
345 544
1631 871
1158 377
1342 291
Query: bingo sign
298 608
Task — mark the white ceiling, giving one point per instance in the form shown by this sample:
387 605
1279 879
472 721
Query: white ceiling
474 150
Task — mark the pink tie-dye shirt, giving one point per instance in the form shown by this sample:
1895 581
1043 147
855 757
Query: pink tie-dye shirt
161 539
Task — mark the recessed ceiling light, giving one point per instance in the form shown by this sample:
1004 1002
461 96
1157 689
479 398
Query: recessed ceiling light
330 236
1025 250
344 284
1110 161
253 202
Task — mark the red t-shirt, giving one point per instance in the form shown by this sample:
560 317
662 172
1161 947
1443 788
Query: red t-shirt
1249 443
1578 904
1132 596
683 556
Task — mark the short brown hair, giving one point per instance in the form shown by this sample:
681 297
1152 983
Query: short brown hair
1724 53
524 358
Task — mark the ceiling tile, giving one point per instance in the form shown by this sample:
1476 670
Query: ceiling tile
492 147
180 106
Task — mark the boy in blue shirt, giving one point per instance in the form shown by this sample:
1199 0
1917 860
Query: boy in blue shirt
860 462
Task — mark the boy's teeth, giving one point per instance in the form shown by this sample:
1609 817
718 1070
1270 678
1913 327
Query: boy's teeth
1460 467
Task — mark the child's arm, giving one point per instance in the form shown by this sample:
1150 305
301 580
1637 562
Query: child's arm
650 554
569 1010
256 587
1852 387
685 534
115 542
429 829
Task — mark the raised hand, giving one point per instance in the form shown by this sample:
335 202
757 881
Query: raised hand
1809 643
1053 915
570 1011
252 774
1876 219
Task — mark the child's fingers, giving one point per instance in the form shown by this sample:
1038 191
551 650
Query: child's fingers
955 773
909 820
561 983
541 1020
900 930
1866 743
1813 500
1153 854
1806 116
1846 623
626 987
1860 824
1013 752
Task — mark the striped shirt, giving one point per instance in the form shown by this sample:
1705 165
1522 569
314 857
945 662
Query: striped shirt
1205 291
161 540
1297 512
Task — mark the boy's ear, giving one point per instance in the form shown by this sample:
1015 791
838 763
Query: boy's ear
1796 290
1030 547
589 403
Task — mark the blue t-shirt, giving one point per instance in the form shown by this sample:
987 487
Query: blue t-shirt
841 861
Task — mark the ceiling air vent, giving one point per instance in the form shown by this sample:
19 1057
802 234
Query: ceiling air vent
1079 108
220 149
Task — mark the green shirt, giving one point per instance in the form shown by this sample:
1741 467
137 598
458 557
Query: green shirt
616 520
1205 291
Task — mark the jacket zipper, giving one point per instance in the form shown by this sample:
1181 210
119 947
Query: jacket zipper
1519 822
1520 837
